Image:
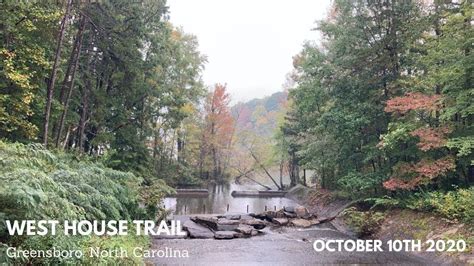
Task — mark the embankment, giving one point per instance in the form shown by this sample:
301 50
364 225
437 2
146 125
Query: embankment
391 224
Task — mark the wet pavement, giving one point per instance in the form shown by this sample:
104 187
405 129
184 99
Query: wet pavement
280 246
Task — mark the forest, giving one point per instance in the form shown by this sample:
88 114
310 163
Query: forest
383 107
103 111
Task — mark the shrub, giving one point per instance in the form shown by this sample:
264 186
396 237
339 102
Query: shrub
360 185
364 223
385 202
39 184
454 205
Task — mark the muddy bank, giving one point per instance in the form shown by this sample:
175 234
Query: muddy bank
396 224
407 224
324 204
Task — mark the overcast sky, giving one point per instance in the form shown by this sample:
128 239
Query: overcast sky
249 43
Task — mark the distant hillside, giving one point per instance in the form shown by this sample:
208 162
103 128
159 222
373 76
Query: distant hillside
261 116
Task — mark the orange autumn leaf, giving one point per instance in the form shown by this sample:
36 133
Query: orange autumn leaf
219 120
431 138
424 171
413 101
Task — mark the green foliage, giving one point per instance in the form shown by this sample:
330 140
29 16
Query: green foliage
454 205
360 185
128 243
464 145
337 117
385 102
41 184
25 43
364 223
38 184
385 202
135 73
398 134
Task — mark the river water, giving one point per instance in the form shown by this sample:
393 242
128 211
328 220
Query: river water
220 201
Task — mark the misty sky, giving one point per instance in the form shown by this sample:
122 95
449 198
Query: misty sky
249 43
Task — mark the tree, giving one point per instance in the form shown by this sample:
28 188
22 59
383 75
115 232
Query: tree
52 77
218 132
26 39
69 78
435 110
341 88
383 103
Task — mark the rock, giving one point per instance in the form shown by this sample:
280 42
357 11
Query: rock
245 229
290 214
271 214
255 223
227 227
227 221
232 216
313 221
244 217
224 234
239 235
289 209
267 215
208 221
224 224
301 212
197 231
280 214
280 221
300 223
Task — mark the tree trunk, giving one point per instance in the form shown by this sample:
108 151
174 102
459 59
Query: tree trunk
282 165
180 145
68 83
66 139
266 171
52 78
293 170
214 161
82 121
304 177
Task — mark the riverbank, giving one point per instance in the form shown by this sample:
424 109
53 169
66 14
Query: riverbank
407 224
292 245
388 224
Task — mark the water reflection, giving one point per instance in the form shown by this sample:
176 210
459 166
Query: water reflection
220 201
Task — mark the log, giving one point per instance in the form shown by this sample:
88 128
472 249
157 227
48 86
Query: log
256 193
198 192
265 169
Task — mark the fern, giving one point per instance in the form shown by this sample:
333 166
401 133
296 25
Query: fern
39 184
385 202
